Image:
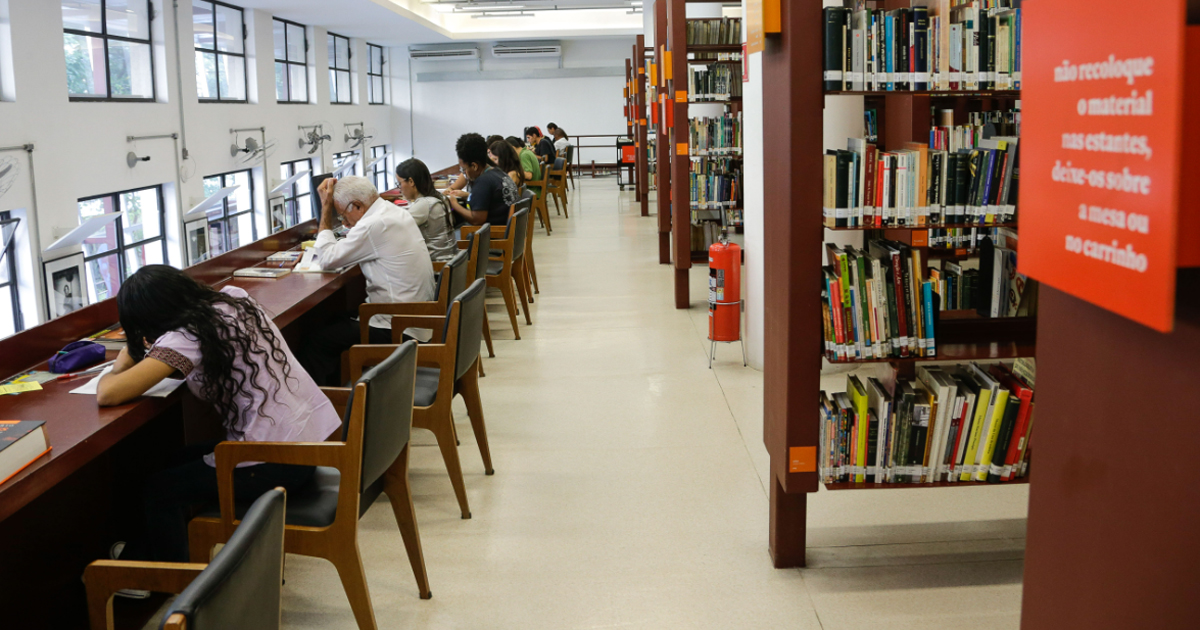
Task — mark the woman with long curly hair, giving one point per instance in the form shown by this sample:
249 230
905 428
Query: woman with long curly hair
505 157
233 358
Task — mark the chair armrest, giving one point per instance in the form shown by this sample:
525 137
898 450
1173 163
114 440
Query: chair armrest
437 266
468 230
363 356
427 322
340 397
230 454
103 578
434 355
368 310
464 244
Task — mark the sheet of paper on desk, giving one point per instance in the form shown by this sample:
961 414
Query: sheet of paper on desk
161 390
17 388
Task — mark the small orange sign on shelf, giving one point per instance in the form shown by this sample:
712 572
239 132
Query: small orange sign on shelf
680 96
802 459
681 148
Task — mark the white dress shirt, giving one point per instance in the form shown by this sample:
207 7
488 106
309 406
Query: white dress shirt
387 245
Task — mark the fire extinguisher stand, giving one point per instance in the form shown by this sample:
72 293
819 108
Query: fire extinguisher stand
724 294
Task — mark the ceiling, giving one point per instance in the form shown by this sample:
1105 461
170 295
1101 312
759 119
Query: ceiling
407 22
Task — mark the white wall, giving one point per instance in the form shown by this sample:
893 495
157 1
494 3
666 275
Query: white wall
444 110
752 139
81 147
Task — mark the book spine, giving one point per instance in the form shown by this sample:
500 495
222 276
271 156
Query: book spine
930 345
834 44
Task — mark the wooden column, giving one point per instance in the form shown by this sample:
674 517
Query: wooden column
639 79
792 109
632 82
680 164
661 45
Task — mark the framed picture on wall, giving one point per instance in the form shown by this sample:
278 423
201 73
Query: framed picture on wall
279 219
65 290
197 241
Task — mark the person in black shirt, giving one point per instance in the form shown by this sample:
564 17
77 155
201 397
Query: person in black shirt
493 193
543 147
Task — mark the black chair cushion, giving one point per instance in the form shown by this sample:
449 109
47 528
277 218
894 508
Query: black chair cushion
494 267
458 272
427 386
313 506
388 417
485 245
494 253
240 588
470 326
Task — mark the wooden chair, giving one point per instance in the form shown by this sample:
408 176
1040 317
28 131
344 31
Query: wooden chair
322 521
238 590
539 201
446 370
529 264
450 281
570 155
480 245
505 266
557 185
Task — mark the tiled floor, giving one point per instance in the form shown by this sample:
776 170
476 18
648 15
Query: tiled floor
630 485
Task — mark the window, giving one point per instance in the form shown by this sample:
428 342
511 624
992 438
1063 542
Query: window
297 202
125 245
291 62
220 37
379 172
375 63
339 69
339 159
10 300
107 48
231 224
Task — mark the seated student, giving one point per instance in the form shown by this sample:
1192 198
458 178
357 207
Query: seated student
529 163
506 160
233 358
543 147
550 128
428 208
561 141
492 193
494 138
386 244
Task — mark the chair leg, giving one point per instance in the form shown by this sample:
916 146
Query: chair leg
554 197
544 213
510 302
563 194
469 388
520 277
481 374
448 443
487 338
348 562
399 492
532 265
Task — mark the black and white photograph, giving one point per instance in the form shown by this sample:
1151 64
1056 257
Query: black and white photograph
65 291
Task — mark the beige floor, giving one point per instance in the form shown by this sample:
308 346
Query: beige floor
630 484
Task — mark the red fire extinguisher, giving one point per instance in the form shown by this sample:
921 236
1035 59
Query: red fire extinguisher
724 295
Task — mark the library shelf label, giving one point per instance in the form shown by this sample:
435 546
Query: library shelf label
1103 118
802 459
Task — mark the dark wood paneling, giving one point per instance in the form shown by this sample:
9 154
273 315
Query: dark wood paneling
681 230
1114 515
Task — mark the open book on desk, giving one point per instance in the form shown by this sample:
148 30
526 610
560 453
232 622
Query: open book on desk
309 264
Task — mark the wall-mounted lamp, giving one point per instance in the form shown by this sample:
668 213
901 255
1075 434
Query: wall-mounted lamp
132 159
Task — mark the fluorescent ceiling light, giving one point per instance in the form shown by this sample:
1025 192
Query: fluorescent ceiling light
443 7
500 15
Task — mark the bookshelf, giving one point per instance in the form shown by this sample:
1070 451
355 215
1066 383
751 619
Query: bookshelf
794 105
639 123
662 135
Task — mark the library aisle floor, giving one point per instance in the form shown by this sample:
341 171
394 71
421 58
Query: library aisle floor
630 487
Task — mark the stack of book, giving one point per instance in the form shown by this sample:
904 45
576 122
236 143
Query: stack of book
946 136
714 31
715 82
952 424
976 47
715 184
716 135
917 186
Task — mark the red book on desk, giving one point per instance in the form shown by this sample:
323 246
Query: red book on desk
21 443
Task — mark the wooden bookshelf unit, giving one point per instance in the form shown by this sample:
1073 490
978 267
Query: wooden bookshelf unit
793 107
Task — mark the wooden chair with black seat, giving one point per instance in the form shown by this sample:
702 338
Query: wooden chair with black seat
538 206
570 165
371 459
446 370
557 185
505 265
238 590
530 267
479 245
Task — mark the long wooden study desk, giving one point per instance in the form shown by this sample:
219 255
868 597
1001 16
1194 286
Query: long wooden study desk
60 513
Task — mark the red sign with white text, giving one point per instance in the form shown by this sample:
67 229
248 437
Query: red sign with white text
1100 152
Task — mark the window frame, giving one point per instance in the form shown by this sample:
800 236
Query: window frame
8 258
382 83
288 74
225 218
216 51
122 247
334 70
292 192
103 35
381 169
343 156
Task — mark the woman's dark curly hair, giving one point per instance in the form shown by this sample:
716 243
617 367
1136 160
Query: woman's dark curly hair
159 299
507 160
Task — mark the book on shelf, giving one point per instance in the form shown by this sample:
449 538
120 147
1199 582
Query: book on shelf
917 186
714 31
716 82
882 302
268 273
715 184
715 135
952 424
959 46
22 442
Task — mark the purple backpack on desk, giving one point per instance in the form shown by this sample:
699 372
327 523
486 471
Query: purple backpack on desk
76 356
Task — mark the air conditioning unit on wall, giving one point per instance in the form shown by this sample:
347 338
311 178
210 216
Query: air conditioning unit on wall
444 54
528 50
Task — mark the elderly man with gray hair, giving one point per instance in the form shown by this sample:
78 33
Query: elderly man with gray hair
386 244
